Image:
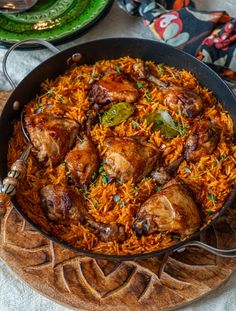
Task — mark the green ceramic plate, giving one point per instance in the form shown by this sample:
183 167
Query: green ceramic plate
52 20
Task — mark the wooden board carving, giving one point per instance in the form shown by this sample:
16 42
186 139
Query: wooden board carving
88 284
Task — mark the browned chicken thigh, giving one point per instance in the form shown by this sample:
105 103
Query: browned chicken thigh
82 162
51 135
128 158
183 100
114 87
177 98
203 140
65 206
170 210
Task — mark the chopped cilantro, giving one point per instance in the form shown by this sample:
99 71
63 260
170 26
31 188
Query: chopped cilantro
223 157
135 124
117 68
104 180
160 69
209 212
211 197
139 85
100 169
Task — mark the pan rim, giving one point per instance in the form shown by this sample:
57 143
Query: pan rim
171 248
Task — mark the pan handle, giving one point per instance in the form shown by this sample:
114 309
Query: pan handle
229 253
23 42
10 183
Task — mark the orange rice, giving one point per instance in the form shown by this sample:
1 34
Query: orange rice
211 179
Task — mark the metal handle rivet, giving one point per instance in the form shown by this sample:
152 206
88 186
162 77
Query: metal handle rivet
16 105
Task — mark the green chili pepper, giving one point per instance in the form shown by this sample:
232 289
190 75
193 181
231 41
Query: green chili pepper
117 113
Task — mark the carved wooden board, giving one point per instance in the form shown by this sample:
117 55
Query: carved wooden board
88 284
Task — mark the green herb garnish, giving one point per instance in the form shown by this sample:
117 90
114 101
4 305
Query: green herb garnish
117 69
104 180
61 99
100 169
139 85
95 204
209 212
160 69
222 158
147 95
211 197
135 124
94 176
50 93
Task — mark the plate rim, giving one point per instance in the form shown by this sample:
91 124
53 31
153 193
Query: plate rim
67 36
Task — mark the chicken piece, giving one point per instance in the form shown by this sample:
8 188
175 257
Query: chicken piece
161 175
51 135
128 158
82 162
107 233
170 210
203 140
188 102
114 87
140 71
65 206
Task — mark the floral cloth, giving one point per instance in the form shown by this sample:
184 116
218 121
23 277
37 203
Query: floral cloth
210 36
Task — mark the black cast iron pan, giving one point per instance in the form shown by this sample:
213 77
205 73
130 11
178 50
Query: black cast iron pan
111 49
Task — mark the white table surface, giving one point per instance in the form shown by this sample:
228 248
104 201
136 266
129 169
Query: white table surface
14 294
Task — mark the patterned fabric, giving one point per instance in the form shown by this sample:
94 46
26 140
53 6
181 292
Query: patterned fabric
210 36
